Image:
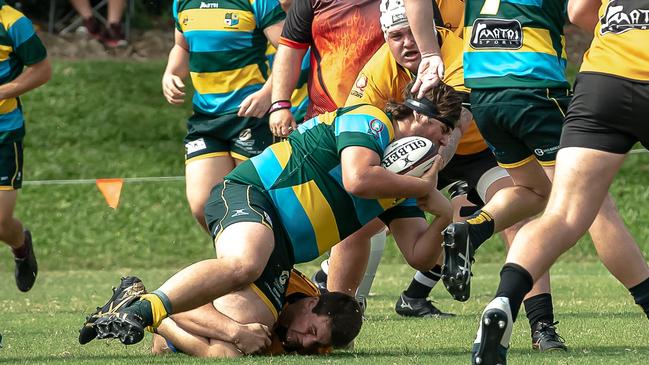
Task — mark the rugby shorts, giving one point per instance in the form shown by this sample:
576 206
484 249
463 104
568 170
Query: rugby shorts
11 165
607 113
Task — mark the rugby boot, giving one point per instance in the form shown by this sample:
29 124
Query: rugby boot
130 288
458 257
319 278
26 267
492 340
546 338
418 307
126 326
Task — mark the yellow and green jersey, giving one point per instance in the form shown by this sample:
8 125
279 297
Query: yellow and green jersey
383 80
300 96
515 43
621 44
227 49
303 178
19 47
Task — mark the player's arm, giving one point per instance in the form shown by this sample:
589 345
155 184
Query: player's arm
583 13
364 176
419 241
33 77
431 67
208 322
177 70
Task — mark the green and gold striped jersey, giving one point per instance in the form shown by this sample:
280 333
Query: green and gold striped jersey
515 43
303 178
227 49
621 44
19 47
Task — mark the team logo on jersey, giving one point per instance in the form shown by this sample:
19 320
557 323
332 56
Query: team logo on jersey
624 15
208 5
231 19
376 126
359 86
496 34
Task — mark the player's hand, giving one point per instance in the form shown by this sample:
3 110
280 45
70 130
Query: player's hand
436 204
430 72
255 105
430 176
282 122
252 338
173 89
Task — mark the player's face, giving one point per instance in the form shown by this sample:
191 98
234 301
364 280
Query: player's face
404 48
430 128
308 332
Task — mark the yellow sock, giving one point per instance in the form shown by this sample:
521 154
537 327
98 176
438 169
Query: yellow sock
158 310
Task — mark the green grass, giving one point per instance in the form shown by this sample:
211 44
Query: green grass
108 119
598 320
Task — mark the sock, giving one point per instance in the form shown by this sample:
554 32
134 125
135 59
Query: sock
539 309
515 282
481 227
640 294
152 308
423 283
20 252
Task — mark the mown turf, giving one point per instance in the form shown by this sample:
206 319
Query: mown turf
599 321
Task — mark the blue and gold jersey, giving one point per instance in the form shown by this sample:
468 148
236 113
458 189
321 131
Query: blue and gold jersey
515 43
300 96
303 178
19 47
621 44
227 49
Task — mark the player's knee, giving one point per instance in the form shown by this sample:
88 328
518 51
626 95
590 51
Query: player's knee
420 263
245 271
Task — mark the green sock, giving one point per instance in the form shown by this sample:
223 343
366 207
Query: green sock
481 227
141 308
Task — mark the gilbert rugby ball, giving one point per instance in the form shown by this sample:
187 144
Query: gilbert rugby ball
409 156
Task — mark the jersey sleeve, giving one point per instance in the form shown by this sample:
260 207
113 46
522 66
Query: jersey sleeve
26 43
368 89
267 12
406 209
361 130
297 29
174 11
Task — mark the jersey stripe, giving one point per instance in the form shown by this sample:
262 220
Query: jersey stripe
498 64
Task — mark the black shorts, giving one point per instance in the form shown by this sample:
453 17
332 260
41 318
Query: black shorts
607 114
478 170
231 203
226 135
11 165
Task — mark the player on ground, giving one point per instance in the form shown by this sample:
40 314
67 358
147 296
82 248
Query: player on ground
299 198
20 47
222 46
606 117
309 323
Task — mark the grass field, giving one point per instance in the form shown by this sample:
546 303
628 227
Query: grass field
108 119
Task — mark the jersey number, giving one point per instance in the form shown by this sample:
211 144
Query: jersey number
490 7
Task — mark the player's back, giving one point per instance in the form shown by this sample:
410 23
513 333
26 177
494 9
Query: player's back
511 43
621 43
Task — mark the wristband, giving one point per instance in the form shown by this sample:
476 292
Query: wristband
279 105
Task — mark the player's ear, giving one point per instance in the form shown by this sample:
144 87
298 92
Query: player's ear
310 303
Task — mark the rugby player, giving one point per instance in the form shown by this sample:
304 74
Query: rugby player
299 198
21 48
222 46
606 117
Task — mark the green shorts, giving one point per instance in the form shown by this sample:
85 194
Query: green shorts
11 165
520 125
231 203
226 135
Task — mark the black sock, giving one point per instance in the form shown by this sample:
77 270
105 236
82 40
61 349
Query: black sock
640 294
481 227
320 276
423 283
20 252
141 308
539 309
515 282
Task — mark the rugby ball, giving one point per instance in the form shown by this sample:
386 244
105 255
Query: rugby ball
409 156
